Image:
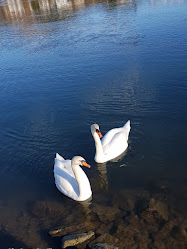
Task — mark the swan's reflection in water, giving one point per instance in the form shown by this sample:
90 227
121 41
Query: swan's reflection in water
86 208
104 185
103 178
102 168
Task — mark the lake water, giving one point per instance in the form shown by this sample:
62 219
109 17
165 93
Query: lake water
66 64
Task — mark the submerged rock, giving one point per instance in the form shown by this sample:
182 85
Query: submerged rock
62 231
106 214
104 238
103 246
160 207
132 233
104 228
57 232
126 199
76 228
75 239
170 235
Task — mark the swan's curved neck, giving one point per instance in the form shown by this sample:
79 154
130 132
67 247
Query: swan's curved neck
98 145
76 170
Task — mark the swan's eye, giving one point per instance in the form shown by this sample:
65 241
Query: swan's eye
97 130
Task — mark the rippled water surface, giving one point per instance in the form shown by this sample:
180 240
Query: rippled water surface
66 64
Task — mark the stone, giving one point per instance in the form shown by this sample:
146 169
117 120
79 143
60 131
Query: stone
62 231
76 228
103 246
104 228
106 214
56 232
124 200
178 232
104 238
160 207
127 199
75 239
132 233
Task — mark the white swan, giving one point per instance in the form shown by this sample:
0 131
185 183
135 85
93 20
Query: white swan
70 179
113 144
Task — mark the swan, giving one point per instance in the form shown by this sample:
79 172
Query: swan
70 179
113 144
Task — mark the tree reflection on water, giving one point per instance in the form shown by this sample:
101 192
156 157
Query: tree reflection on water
29 11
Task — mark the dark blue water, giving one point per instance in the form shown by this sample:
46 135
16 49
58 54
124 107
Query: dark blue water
65 65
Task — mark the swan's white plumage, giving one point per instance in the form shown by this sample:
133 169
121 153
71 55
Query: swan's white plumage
70 179
113 144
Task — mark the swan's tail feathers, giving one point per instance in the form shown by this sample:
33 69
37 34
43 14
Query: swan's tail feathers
127 125
127 128
59 157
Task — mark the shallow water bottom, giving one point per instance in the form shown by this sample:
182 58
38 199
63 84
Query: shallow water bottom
127 218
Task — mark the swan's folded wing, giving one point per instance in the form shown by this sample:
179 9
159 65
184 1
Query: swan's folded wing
117 144
66 184
109 136
64 165
65 180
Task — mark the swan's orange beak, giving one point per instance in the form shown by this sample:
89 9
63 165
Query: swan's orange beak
85 164
99 134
